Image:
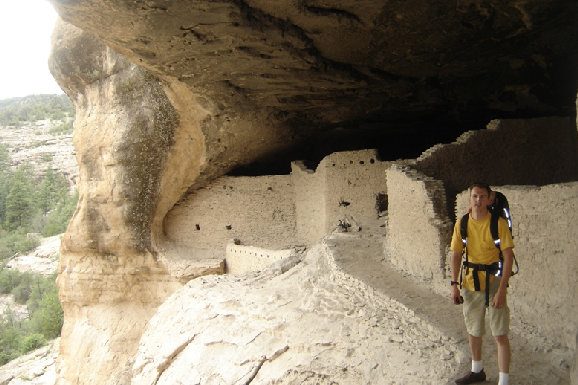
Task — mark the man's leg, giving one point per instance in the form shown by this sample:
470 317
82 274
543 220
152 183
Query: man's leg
477 374
503 343
475 347
474 315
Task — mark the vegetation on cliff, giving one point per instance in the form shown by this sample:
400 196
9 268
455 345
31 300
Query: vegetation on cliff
40 295
31 206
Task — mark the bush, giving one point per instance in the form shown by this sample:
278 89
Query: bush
46 315
9 279
31 342
9 342
12 242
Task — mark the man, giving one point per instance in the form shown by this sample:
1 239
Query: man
482 252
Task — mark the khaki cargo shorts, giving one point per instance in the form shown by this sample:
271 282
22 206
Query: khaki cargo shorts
474 309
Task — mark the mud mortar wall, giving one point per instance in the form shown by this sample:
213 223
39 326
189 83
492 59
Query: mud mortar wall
355 186
310 195
418 230
254 210
514 152
347 186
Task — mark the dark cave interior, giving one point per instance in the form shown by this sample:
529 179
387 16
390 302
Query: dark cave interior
393 139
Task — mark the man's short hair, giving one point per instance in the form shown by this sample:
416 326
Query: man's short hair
480 185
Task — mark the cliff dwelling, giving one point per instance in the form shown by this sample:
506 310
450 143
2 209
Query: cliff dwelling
267 189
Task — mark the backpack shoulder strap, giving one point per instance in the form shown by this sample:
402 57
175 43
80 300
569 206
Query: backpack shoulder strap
494 229
464 228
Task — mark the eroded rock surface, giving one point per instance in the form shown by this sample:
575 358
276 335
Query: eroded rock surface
320 70
261 327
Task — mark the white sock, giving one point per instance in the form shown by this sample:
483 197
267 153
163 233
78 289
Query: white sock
504 379
478 366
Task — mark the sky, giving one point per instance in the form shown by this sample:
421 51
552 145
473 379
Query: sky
25 30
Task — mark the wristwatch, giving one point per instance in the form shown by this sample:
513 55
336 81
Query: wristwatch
453 283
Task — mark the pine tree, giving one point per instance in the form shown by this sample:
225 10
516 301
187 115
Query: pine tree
5 174
20 198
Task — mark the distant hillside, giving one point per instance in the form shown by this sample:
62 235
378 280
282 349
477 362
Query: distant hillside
37 130
16 111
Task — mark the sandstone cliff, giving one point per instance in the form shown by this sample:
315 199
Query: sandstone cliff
171 96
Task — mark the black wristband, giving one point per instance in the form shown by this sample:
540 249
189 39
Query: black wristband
453 283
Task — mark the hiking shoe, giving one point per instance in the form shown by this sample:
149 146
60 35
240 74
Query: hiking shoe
472 377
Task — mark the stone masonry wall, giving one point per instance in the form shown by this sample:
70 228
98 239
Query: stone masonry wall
517 152
310 195
356 189
347 186
254 210
278 212
241 259
418 230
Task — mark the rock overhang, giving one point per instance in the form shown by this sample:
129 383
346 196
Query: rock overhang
353 70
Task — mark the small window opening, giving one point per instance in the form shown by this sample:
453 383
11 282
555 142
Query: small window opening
381 203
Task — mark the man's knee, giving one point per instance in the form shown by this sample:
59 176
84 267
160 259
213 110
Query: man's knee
503 339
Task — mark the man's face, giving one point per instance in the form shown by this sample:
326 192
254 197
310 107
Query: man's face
479 198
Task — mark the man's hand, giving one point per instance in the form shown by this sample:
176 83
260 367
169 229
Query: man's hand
455 296
499 300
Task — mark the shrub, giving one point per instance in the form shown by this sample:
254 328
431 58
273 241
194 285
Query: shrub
31 342
46 315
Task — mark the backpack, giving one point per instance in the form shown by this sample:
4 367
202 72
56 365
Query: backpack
499 208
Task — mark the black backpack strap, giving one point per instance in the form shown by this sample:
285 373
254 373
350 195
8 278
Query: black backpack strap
495 235
494 229
464 235
464 228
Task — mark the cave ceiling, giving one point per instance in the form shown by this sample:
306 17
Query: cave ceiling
337 68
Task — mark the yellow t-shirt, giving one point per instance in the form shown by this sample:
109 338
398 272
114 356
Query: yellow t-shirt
481 247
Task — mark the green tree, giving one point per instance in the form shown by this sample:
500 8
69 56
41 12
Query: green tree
52 190
45 314
47 318
20 199
12 242
5 175
15 111
10 337
31 342
57 220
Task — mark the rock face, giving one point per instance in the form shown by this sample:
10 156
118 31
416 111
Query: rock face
304 75
331 329
170 96
35 144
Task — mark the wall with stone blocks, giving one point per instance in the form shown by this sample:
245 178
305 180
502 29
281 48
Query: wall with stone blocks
277 212
517 152
418 230
241 259
355 185
310 191
254 210
345 186
544 295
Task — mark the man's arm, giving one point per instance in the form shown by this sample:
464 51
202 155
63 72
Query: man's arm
455 264
500 297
